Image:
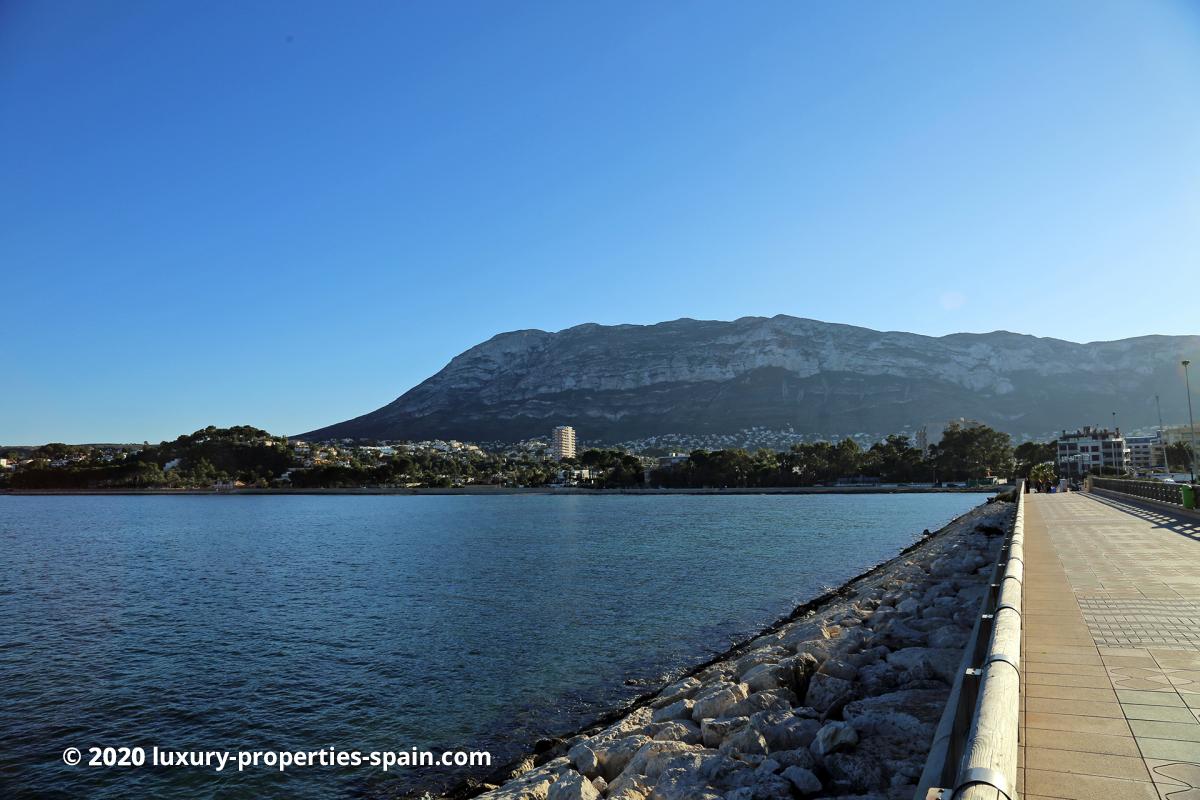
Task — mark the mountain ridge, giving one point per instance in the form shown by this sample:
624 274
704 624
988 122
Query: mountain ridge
617 382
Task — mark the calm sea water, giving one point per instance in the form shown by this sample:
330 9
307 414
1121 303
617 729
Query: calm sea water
381 623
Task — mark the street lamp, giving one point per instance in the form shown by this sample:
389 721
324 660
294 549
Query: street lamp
1162 438
1191 421
1078 460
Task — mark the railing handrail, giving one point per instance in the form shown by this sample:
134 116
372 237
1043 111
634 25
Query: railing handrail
1150 490
974 751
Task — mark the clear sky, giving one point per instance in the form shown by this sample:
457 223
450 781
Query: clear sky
287 214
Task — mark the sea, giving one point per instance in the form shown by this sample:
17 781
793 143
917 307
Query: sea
380 624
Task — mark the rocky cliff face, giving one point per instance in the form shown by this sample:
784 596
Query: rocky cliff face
689 376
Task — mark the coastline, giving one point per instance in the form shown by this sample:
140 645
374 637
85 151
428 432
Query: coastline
835 627
487 491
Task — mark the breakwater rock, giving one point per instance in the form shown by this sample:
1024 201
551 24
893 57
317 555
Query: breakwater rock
841 702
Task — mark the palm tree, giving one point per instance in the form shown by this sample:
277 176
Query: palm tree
1042 475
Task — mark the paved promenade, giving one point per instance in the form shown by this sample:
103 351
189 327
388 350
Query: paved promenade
1111 661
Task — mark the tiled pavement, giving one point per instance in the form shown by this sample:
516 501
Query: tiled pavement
1110 699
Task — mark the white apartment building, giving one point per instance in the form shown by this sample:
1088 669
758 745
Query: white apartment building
562 443
1174 434
1147 452
1090 450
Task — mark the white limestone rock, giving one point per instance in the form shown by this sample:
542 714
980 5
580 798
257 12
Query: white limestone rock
761 701
712 702
799 757
767 676
949 637
805 781
612 756
834 737
683 784
908 607
629 786
714 731
854 772
908 713
940 663
745 741
680 709
572 786
652 757
532 785
680 730
676 691
825 691
784 729
764 655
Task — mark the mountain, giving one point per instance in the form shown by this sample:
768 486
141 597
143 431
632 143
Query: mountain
621 382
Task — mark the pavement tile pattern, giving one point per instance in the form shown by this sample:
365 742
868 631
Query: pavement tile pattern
1135 623
1110 696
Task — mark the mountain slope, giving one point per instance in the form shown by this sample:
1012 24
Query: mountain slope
689 376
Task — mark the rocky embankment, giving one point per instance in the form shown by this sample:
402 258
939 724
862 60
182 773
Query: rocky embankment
842 702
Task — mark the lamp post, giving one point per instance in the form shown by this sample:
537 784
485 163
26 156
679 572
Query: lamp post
1162 437
1191 421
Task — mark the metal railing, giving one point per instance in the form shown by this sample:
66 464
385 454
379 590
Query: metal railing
974 750
1150 490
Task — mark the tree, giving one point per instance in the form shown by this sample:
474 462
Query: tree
1030 454
1043 474
203 473
812 463
1179 456
847 456
148 473
593 457
55 450
893 460
972 450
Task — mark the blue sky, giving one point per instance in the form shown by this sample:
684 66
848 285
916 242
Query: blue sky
287 214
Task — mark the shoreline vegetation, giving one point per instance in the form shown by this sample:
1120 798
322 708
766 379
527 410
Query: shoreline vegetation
839 697
244 457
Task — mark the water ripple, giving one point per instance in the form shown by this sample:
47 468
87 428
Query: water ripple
381 623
